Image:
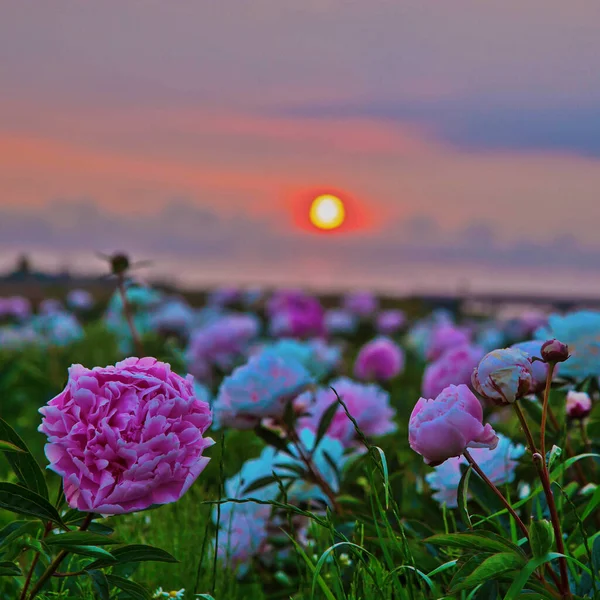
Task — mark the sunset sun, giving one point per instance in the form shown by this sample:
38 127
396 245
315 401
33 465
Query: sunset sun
327 212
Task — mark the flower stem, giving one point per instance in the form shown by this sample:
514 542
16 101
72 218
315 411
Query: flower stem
34 562
139 348
56 562
498 493
526 430
545 410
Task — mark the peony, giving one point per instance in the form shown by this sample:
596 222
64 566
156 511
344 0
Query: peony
363 304
80 300
50 306
504 376
445 337
581 331
260 388
498 464
579 405
455 366
295 314
368 404
380 359
174 315
539 370
126 437
442 428
221 343
340 322
15 307
390 321
224 296
58 329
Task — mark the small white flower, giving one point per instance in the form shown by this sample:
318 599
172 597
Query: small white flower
177 595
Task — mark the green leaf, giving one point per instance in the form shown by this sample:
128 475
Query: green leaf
8 568
491 568
23 501
593 502
325 422
554 454
134 553
8 447
463 490
263 482
99 585
16 529
272 439
541 535
80 538
91 551
26 469
135 590
467 541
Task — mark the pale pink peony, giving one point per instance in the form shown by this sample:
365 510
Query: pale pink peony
380 359
126 437
442 428
444 337
454 367
579 405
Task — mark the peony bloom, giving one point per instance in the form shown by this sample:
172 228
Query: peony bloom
363 304
15 308
579 405
50 306
295 314
442 428
16 337
454 367
581 331
554 351
174 315
368 404
80 300
490 337
498 464
126 437
504 376
221 343
443 338
539 370
380 359
340 322
260 388
316 356
58 329
390 321
224 296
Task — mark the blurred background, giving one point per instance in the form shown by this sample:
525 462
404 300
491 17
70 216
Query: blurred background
463 140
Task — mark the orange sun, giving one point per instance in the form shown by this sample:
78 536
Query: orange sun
327 212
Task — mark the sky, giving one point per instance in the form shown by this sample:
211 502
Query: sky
464 137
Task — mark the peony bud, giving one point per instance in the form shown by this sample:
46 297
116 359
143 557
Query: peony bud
579 405
503 376
119 263
554 351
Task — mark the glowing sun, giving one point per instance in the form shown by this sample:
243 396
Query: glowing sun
327 212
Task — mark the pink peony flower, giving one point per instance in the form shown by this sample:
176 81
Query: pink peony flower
380 359
390 321
367 403
442 428
454 367
295 314
445 337
504 376
126 437
579 405
361 303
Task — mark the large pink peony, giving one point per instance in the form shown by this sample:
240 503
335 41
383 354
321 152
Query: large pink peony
126 437
442 428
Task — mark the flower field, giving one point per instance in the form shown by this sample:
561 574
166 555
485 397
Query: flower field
275 445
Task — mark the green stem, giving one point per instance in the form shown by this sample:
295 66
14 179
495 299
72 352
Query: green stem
549 376
34 562
56 562
498 493
525 426
139 348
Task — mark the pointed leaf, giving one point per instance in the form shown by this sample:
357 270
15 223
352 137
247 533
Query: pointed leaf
8 568
23 501
16 529
135 590
491 568
99 585
263 482
272 439
80 538
22 463
541 534
91 551
134 553
463 490
554 454
325 422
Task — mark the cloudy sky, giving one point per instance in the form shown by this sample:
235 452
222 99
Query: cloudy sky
464 136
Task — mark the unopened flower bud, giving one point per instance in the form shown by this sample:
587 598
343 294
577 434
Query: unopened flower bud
119 263
579 405
554 351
